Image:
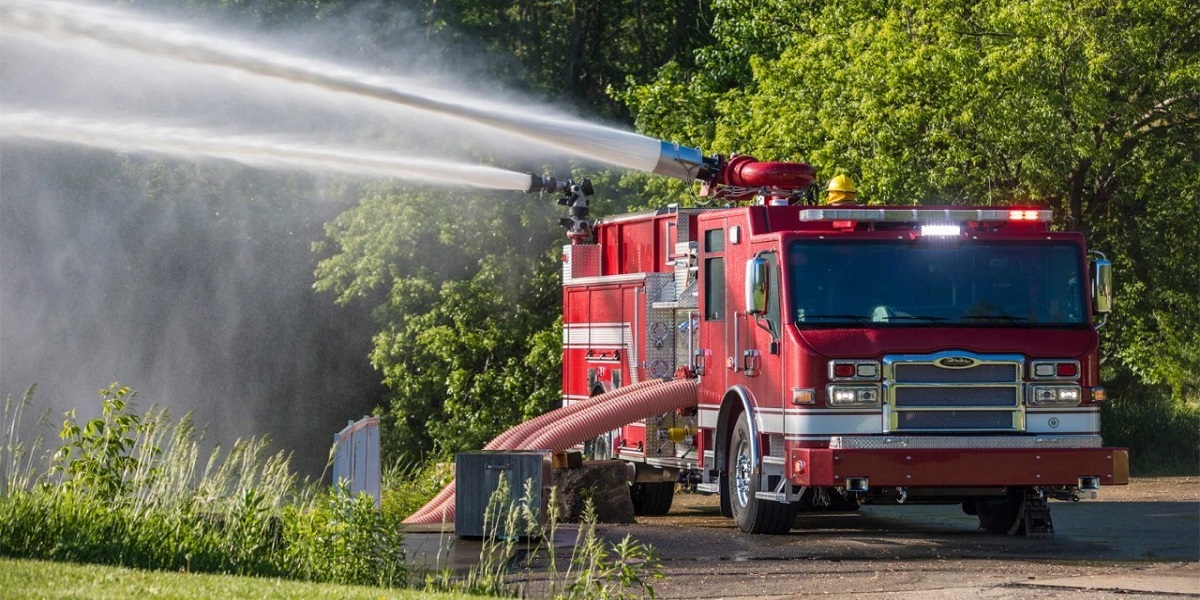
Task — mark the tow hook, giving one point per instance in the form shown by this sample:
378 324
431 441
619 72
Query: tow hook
903 495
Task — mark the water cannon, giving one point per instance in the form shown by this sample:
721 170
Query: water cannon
574 197
737 176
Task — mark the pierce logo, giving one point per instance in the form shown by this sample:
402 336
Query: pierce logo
956 362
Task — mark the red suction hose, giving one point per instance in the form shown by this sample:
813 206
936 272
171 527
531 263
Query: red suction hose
565 427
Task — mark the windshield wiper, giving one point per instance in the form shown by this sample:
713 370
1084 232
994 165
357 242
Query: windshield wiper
995 317
914 318
856 318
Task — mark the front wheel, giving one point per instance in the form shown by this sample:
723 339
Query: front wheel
1001 515
742 479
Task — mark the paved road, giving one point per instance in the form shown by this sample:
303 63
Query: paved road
1139 541
1143 540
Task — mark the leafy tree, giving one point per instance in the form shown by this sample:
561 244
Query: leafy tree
466 296
1090 107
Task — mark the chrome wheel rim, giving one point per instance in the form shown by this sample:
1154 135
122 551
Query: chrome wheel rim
741 474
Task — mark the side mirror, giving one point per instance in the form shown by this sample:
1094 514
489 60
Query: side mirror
757 277
1102 292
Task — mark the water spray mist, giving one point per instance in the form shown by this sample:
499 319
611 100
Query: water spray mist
259 152
130 32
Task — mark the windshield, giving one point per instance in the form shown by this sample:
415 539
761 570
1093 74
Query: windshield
839 283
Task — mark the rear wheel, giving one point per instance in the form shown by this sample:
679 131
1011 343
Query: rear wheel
652 497
752 514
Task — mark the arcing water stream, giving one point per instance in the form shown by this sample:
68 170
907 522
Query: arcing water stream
177 295
120 30
259 152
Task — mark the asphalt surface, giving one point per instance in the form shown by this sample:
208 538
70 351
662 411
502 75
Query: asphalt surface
1136 541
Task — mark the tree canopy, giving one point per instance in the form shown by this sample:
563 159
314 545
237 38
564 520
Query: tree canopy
1092 108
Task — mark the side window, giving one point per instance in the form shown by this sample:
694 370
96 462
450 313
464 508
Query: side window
714 275
714 289
773 299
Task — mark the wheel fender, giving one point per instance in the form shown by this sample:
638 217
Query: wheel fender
737 400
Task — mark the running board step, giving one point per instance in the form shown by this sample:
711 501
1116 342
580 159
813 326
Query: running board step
772 496
708 488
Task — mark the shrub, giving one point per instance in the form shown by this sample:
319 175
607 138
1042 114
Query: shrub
1162 434
115 495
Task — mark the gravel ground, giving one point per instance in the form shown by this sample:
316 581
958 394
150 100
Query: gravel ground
1137 541
1141 540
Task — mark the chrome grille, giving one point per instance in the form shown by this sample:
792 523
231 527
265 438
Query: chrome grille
932 373
976 393
955 419
947 397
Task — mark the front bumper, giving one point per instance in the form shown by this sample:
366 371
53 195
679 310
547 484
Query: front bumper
958 467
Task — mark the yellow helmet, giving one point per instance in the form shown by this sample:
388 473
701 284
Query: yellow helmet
841 189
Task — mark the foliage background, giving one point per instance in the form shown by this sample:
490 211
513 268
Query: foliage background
1090 107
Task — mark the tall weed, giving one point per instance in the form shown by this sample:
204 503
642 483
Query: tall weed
594 569
128 489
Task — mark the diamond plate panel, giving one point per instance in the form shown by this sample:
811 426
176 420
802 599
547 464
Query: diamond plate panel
937 442
658 343
580 260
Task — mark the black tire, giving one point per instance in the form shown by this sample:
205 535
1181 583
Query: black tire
652 498
753 515
722 483
997 515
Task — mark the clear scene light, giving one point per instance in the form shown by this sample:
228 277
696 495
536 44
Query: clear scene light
941 230
1054 395
852 395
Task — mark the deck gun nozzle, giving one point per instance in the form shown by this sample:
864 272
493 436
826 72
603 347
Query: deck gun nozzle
574 197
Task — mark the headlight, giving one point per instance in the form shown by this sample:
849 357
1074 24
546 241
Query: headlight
852 395
1054 395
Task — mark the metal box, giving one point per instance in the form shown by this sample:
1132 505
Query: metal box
478 475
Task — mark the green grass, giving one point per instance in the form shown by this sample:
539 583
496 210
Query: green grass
38 579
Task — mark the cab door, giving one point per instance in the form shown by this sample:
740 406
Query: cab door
715 317
755 342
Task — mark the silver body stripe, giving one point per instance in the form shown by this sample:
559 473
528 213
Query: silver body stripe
603 279
597 334
604 335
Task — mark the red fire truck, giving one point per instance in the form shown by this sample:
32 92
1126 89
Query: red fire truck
847 354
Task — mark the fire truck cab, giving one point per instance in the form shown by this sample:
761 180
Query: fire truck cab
848 355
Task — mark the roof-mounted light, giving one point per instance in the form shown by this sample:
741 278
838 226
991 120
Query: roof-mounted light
1028 215
923 215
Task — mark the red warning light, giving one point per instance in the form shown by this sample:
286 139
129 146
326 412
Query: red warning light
1067 369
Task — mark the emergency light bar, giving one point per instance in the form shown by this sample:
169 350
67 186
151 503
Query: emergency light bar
923 215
